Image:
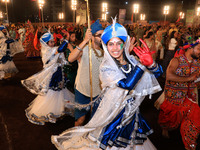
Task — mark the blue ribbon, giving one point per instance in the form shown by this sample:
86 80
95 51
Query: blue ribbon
56 78
121 137
62 47
8 41
132 79
6 58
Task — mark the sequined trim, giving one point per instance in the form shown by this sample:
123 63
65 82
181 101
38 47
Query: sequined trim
41 120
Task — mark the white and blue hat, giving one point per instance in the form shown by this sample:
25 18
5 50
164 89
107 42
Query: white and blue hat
114 30
46 37
2 27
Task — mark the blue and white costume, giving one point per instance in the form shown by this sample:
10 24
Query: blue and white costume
49 84
117 123
8 48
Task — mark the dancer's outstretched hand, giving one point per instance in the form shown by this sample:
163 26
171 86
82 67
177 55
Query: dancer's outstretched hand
144 54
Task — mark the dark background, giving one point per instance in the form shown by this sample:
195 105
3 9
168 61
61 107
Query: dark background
22 10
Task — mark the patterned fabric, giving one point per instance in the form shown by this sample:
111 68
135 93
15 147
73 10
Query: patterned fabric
180 107
190 127
30 51
137 131
58 80
175 92
186 116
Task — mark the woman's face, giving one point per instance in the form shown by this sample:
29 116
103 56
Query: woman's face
72 37
176 34
51 43
115 48
51 30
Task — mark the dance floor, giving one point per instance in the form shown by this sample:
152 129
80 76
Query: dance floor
16 133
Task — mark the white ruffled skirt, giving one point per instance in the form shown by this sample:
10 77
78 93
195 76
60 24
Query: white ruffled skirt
147 145
2 75
7 69
49 107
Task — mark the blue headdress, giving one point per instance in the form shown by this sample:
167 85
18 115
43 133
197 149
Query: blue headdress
114 30
2 27
96 26
46 37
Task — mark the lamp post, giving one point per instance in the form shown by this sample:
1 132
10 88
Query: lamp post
74 3
41 4
6 2
198 11
1 15
198 14
104 11
61 15
135 10
142 16
166 11
182 15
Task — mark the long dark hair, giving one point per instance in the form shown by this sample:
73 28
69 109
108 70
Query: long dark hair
149 34
124 57
172 34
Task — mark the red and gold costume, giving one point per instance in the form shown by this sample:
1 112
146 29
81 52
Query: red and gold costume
180 107
30 51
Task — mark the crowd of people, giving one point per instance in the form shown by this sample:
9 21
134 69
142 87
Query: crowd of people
126 62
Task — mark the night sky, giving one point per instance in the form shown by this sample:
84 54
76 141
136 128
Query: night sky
21 10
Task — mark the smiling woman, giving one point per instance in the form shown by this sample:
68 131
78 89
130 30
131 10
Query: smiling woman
117 123
115 49
8 48
49 84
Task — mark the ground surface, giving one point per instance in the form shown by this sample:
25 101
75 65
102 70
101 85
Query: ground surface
16 133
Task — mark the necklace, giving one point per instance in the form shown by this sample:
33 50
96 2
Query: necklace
127 71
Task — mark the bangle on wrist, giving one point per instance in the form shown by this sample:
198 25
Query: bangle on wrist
152 65
66 40
80 49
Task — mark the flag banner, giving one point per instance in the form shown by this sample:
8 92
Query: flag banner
179 18
81 13
190 16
